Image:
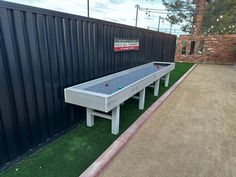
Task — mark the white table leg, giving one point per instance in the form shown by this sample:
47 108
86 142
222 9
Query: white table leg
141 99
167 80
156 87
90 117
115 120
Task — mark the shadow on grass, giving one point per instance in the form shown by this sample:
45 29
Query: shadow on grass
72 153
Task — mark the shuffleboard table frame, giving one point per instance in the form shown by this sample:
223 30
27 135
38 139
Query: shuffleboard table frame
99 104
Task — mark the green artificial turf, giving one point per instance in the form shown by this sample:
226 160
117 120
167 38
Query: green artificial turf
72 153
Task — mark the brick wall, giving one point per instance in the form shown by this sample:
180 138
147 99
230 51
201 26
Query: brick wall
207 49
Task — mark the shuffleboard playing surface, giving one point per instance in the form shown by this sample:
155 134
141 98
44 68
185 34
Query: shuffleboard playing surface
113 85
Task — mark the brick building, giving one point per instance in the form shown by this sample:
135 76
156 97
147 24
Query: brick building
219 49
198 48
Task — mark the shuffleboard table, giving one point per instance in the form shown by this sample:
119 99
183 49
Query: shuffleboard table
102 97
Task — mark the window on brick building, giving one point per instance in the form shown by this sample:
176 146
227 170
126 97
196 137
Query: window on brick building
192 47
184 46
200 47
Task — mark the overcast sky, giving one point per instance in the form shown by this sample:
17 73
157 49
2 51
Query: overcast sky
119 11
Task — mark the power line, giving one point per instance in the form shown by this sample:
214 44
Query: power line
165 29
163 10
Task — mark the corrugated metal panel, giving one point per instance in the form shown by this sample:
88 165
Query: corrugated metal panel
41 53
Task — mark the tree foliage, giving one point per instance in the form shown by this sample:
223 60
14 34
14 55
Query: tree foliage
220 17
181 12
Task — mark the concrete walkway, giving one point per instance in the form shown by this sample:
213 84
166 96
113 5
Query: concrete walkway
192 134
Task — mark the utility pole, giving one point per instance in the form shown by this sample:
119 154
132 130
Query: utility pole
136 19
170 27
159 22
88 7
158 28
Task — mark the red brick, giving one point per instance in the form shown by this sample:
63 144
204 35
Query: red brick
217 49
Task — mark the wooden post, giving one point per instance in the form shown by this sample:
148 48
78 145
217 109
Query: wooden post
167 80
90 117
156 87
141 99
115 120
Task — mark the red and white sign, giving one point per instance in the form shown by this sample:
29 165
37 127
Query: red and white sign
125 44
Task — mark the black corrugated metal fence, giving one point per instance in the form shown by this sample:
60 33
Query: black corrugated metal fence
41 53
